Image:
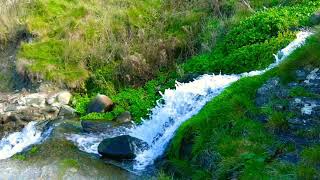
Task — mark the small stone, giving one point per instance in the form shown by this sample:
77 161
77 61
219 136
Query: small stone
64 97
271 89
67 111
296 121
301 75
51 100
315 18
124 117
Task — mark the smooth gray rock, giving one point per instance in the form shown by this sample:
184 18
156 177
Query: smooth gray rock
67 111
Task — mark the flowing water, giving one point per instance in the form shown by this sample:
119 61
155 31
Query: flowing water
54 157
175 107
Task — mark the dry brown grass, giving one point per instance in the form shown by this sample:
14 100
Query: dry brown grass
10 13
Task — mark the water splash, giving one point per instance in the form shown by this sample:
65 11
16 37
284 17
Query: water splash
18 141
179 105
87 142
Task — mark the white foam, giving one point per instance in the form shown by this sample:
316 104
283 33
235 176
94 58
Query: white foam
187 100
18 141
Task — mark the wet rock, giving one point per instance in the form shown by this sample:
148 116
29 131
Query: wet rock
96 125
305 106
67 112
122 147
315 18
124 117
189 77
312 82
302 110
301 75
101 103
270 90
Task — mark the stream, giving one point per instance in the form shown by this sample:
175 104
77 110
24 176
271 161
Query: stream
65 151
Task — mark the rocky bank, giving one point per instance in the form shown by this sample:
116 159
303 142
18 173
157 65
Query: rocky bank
17 109
292 111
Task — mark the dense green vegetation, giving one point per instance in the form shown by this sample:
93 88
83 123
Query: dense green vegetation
251 43
270 30
114 47
131 50
225 140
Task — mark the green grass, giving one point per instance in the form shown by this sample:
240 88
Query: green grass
227 127
301 91
118 43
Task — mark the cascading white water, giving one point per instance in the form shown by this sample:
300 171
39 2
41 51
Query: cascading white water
185 101
178 106
18 141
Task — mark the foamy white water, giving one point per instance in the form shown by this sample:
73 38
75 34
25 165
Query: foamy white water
187 100
18 141
179 105
87 142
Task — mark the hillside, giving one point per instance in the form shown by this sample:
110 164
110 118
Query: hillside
133 50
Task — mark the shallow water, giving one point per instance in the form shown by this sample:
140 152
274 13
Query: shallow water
58 158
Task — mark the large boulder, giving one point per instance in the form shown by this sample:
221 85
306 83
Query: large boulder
101 103
122 147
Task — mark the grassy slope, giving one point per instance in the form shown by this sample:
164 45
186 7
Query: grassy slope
226 139
112 41
240 58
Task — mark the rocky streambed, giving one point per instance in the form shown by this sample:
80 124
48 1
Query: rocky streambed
20 108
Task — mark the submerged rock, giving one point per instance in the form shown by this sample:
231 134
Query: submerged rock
101 103
96 125
122 147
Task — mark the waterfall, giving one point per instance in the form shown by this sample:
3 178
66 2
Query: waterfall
18 141
187 100
179 105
